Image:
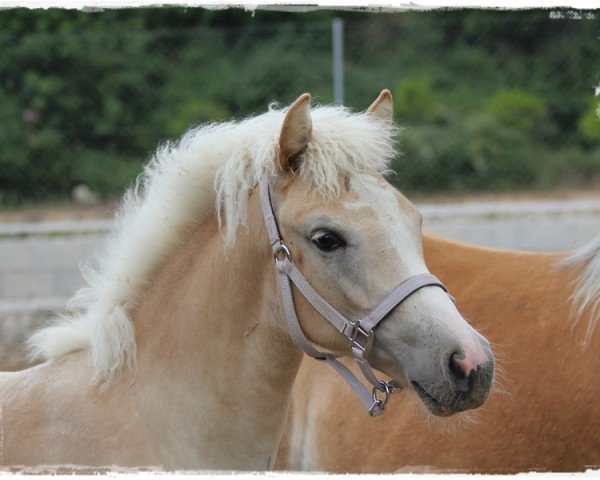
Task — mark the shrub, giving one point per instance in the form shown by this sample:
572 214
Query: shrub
433 158
500 157
106 173
477 152
518 109
415 100
195 112
589 124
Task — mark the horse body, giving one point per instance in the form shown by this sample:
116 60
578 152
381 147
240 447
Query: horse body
91 427
544 418
182 357
171 412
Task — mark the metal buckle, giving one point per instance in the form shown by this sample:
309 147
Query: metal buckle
354 340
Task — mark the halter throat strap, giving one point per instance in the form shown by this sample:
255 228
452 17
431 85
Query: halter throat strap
360 333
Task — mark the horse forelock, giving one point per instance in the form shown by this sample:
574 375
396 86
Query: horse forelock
212 168
586 296
342 143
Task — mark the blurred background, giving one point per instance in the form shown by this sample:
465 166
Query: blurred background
500 109
491 100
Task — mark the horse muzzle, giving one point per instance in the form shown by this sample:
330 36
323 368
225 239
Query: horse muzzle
459 391
451 370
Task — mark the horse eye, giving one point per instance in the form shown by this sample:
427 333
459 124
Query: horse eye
327 241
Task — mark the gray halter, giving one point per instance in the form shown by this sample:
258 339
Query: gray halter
359 333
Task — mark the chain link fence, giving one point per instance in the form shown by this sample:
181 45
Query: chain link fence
490 100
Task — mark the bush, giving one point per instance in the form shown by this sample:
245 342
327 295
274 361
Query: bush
477 152
589 124
195 112
105 173
433 158
500 156
518 109
415 100
85 96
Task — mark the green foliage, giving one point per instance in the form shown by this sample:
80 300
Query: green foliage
104 172
431 156
195 112
589 124
478 153
518 109
490 99
415 100
498 154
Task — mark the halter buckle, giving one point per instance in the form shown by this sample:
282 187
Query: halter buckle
367 340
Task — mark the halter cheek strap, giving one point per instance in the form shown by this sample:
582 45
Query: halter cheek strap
360 333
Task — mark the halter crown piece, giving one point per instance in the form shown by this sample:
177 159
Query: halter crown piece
359 333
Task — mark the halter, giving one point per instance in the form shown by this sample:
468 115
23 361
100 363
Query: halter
359 333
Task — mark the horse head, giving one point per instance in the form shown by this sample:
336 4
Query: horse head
354 244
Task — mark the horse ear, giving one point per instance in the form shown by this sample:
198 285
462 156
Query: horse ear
383 107
295 133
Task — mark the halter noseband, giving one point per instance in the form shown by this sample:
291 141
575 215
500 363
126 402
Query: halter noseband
359 333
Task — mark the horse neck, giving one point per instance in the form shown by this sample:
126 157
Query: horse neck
211 355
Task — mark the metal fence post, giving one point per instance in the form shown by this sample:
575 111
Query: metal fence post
337 25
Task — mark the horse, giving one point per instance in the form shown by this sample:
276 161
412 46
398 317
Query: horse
181 351
539 310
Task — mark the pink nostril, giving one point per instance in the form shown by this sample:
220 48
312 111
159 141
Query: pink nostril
460 378
473 355
467 364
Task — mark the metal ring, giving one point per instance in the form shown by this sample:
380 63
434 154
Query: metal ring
382 402
280 250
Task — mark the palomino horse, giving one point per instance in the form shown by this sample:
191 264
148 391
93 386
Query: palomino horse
182 357
539 312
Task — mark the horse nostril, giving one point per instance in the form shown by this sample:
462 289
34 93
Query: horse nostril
461 380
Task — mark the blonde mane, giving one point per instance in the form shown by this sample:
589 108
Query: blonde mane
211 170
